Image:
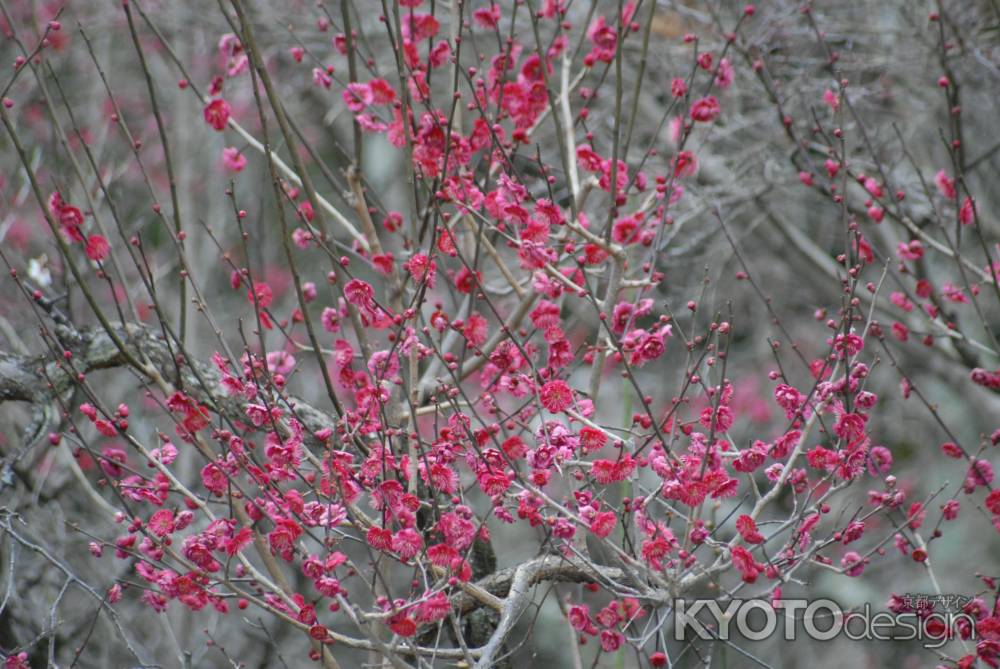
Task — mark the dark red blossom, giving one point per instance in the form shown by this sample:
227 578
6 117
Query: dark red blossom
216 114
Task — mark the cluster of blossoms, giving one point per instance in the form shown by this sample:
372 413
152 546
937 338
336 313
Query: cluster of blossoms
71 223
